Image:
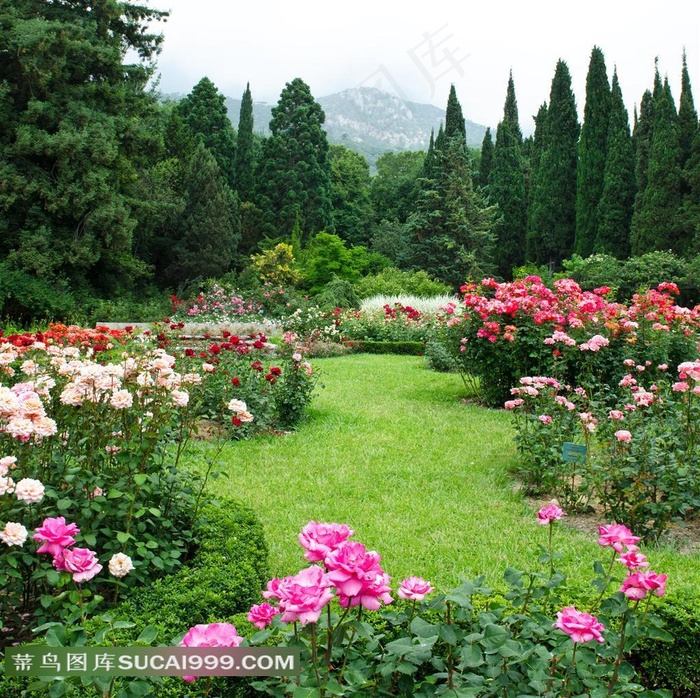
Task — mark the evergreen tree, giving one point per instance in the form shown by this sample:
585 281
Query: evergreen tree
429 161
350 182
244 165
454 118
510 110
294 176
617 200
77 131
449 234
691 203
592 153
657 222
507 189
641 140
393 189
687 116
204 111
533 148
486 159
551 234
204 242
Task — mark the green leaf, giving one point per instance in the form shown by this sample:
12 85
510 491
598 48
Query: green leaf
139 687
90 539
124 624
155 512
304 692
114 494
123 536
148 634
420 628
64 504
472 656
140 479
494 637
56 636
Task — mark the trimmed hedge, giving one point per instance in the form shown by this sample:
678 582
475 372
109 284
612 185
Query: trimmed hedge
220 584
406 348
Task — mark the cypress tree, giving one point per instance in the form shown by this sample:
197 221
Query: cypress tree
641 141
657 222
429 161
507 188
440 139
510 110
204 111
244 166
533 148
294 176
552 220
486 159
617 200
454 118
691 203
687 116
592 152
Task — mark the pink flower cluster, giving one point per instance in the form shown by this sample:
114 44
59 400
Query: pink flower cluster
212 635
57 538
349 569
22 413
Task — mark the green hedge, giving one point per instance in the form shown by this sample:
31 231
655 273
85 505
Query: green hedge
407 348
219 584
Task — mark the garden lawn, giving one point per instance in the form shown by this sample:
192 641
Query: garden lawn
392 450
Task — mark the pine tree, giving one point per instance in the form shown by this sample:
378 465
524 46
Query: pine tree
294 175
204 111
244 165
552 220
687 116
592 153
350 182
657 221
617 200
507 189
486 159
454 118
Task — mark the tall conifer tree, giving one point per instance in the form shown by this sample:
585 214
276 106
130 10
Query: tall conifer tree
454 118
657 221
244 167
486 159
294 177
507 188
551 234
204 111
687 116
592 152
617 200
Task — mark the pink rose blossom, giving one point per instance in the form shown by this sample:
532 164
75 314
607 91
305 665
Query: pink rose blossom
579 626
680 387
358 576
636 586
212 635
319 539
80 562
415 589
56 535
7 485
296 356
623 435
302 596
549 513
545 419
121 399
618 536
633 560
616 414
262 614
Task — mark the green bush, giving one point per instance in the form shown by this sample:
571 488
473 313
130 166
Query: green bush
439 357
337 293
406 348
393 282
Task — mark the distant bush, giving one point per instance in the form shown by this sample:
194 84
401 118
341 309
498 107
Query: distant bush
394 282
337 293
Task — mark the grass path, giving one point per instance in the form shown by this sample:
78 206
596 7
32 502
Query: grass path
391 450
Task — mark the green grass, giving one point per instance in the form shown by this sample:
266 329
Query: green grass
421 476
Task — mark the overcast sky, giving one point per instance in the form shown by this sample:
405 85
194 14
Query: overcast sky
415 50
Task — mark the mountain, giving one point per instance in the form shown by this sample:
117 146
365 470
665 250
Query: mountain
369 121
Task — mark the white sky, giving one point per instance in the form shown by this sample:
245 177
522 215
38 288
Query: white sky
334 46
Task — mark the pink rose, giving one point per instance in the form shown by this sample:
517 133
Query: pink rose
545 419
80 562
549 513
636 586
358 576
212 635
633 560
414 589
262 614
623 435
56 535
616 414
302 596
319 539
617 536
579 626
